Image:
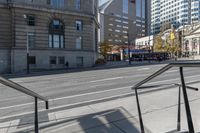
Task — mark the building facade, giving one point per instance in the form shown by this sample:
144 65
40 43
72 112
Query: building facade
55 33
165 13
191 41
117 21
145 43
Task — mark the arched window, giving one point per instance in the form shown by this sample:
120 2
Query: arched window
56 34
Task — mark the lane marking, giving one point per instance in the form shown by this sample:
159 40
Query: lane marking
143 69
108 79
171 71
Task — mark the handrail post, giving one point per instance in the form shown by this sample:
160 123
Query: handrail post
36 116
139 112
47 104
187 106
179 110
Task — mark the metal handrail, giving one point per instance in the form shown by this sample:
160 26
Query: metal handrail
164 69
24 90
159 72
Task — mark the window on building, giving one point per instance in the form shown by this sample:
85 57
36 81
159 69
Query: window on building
30 0
31 40
79 26
79 42
56 34
52 60
125 6
32 60
79 61
31 20
56 3
78 4
61 60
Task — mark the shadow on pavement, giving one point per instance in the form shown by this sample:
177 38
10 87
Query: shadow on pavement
110 121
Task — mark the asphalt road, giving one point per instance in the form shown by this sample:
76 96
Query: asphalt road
78 88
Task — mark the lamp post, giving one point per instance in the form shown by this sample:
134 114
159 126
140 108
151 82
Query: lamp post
27 55
149 43
129 41
27 49
129 57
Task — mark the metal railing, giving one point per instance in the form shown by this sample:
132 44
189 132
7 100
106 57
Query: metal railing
183 86
24 90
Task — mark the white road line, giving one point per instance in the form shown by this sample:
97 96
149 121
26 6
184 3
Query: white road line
14 106
108 79
143 69
171 71
97 92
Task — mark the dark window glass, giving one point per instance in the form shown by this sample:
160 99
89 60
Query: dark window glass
78 4
57 3
56 34
61 60
32 60
79 25
52 60
31 40
31 20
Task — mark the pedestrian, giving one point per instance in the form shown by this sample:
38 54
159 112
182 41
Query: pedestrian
67 64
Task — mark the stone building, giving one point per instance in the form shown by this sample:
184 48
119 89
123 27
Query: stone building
53 32
191 41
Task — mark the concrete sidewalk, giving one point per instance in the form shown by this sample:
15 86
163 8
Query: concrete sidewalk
159 111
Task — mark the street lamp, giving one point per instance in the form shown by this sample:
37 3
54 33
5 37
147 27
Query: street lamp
27 55
129 43
27 49
149 33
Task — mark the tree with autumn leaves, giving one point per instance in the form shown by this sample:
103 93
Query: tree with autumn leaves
169 44
105 48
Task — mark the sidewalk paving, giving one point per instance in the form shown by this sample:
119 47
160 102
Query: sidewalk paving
159 111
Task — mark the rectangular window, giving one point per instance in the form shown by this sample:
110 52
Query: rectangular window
56 41
79 42
79 61
30 0
57 3
61 60
31 40
31 20
32 60
79 26
125 6
78 4
52 60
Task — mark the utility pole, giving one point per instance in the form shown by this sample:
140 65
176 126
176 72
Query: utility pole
129 58
149 44
27 55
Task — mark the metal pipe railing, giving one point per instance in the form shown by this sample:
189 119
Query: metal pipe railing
24 90
183 85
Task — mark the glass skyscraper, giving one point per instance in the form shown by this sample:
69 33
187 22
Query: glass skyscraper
165 13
